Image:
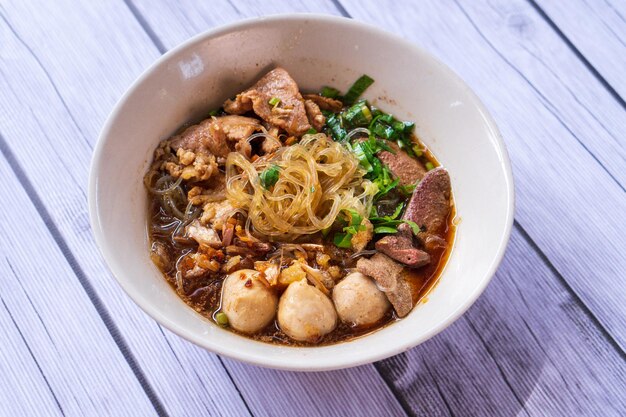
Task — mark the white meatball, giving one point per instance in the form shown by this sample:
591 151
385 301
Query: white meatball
305 313
358 301
247 302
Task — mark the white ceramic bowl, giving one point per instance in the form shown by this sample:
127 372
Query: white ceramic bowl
317 50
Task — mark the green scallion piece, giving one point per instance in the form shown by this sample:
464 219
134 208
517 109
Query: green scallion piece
385 229
269 176
311 131
221 319
333 122
357 89
358 114
414 227
342 240
329 92
274 101
429 166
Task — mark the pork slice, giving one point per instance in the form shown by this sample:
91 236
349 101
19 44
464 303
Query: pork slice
390 278
401 247
203 235
316 118
407 169
289 114
430 204
214 134
236 128
324 103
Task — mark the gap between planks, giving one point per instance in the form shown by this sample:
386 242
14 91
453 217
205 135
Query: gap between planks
110 325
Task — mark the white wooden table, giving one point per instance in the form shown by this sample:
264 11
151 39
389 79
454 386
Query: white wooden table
547 338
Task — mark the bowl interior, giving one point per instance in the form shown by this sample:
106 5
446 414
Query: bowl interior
196 77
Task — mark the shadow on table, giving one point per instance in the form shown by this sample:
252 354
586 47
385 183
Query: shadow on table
488 363
491 360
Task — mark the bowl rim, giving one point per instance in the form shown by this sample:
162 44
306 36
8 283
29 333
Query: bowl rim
275 361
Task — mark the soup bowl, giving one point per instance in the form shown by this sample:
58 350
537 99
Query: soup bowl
197 76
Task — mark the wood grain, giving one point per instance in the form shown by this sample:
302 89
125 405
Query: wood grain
534 343
54 101
50 323
54 134
596 29
526 348
562 186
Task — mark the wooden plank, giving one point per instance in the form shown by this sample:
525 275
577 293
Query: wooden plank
526 347
566 199
25 389
192 391
311 394
78 369
171 23
60 77
597 29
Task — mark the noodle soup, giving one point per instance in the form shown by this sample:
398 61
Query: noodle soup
298 218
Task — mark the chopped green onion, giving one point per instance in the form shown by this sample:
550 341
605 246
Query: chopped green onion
357 89
361 154
408 127
269 176
386 117
397 211
335 125
311 131
221 319
383 130
342 240
429 166
355 217
214 112
418 151
407 189
414 227
312 189
274 101
329 92
385 229
358 114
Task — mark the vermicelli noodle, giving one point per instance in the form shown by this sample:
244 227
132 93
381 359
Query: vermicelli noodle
318 178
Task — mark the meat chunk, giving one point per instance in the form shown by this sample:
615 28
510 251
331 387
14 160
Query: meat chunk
288 114
325 103
192 166
430 204
203 235
408 170
316 118
216 135
390 278
216 214
401 247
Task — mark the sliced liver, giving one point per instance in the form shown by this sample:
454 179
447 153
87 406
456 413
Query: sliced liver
390 277
407 169
402 248
429 206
